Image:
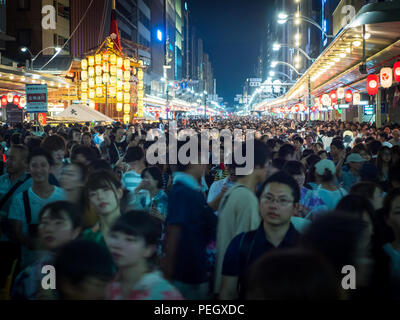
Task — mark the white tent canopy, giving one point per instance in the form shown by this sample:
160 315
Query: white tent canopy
82 113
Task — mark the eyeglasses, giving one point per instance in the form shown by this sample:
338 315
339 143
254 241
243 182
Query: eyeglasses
281 202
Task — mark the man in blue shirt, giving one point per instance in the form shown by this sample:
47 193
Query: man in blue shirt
190 227
279 201
14 181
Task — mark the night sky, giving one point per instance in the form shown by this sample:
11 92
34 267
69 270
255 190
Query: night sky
231 31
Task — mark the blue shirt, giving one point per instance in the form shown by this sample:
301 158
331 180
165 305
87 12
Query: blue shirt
188 209
5 187
236 265
348 179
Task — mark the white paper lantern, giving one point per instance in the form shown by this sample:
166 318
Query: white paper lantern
326 100
386 76
356 98
340 93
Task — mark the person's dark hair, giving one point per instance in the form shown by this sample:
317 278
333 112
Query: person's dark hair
337 236
379 160
360 147
16 138
57 208
156 174
23 151
139 224
134 154
312 160
327 176
261 155
101 130
71 133
383 135
85 151
53 143
369 173
356 205
394 174
321 152
306 153
103 180
70 144
298 139
387 203
294 168
80 259
365 189
286 150
33 143
87 133
278 163
282 178
374 146
271 143
292 274
99 165
337 143
43 153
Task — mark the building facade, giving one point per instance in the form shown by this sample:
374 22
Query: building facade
24 22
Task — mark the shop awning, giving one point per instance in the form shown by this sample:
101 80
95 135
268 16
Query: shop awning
339 64
81 113
58 65
15 79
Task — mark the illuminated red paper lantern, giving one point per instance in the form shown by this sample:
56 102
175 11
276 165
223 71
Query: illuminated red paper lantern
16 100
372 84
396 71
4 101
333 95
297 108
349 96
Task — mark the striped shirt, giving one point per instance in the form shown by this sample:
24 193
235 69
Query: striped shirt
131 180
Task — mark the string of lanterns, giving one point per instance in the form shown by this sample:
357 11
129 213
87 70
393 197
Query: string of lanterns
19 101
385 79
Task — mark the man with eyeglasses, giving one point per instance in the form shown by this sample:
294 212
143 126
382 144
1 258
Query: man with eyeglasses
278 202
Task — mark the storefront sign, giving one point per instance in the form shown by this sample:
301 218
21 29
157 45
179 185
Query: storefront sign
369 110
36 98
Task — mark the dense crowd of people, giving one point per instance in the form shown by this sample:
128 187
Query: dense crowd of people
86 200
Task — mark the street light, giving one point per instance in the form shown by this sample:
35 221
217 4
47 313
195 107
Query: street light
275 63
283 18
33 58
273 73
278 46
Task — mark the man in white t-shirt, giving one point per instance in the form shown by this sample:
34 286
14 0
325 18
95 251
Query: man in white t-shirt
27 205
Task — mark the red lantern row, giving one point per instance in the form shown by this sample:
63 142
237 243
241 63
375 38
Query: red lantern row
15 100
386 79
